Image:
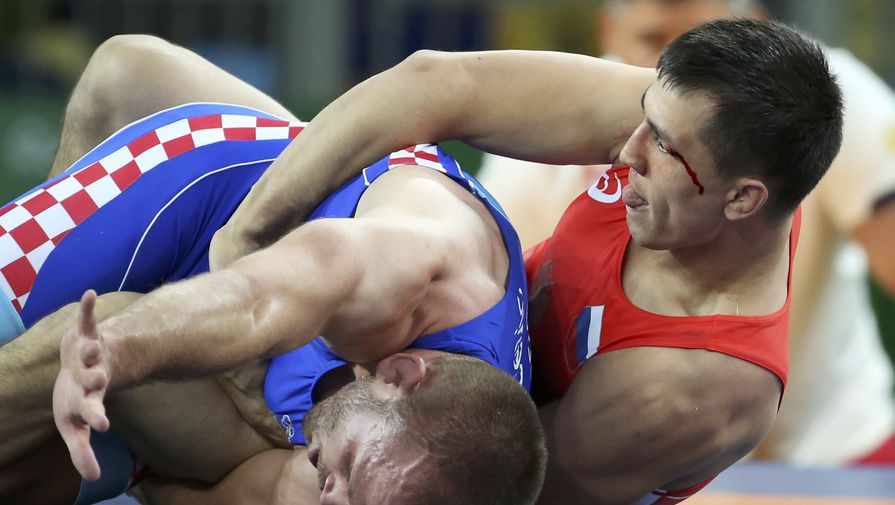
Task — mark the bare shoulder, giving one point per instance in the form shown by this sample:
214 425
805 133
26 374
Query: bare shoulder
441 220
639 419
440 211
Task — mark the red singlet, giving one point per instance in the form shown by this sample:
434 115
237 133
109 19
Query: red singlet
579 307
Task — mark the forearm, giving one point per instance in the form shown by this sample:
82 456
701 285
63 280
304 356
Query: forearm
549 107
186 329
265 304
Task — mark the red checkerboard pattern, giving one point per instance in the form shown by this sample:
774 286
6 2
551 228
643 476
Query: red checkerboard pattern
33 225
424 155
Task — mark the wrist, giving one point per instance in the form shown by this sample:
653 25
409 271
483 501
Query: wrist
122 371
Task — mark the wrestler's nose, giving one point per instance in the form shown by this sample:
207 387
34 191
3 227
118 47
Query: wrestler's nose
632 154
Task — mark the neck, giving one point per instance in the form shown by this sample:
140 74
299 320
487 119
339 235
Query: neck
745 254
741 272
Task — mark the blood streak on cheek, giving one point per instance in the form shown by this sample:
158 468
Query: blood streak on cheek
689 170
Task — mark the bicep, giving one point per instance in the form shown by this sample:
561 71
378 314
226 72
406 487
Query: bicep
603 436
623 430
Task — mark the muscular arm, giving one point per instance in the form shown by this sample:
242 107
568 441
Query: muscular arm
640 419
542 106
354 281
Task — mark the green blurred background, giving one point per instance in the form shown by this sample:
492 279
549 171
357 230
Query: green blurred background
306 52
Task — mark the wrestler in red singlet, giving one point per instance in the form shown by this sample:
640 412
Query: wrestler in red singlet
579 308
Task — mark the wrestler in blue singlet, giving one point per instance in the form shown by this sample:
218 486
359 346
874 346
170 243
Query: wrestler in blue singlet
140 210
499 336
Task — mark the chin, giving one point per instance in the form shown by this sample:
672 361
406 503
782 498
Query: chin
649 244
647 239
639 234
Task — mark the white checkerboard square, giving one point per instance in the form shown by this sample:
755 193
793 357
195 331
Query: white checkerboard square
14 218
102 191
210 136
231 121
117 159
173 131
9 250
65 188
54 220
39 255
150 158
272 132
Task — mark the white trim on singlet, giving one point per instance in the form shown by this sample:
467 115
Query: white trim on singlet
171 201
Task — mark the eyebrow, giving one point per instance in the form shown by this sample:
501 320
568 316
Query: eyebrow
659 132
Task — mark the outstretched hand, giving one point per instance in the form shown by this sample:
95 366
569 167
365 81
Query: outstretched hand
80 388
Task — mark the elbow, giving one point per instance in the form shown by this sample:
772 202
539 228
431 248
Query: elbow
446 85
424 62
431 72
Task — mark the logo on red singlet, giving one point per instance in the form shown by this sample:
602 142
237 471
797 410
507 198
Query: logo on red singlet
607 189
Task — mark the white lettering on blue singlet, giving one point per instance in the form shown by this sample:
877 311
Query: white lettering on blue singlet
521 343
285 422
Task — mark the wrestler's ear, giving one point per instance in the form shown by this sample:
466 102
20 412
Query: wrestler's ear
403 371
745 198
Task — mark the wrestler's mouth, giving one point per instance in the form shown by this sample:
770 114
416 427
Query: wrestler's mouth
632 198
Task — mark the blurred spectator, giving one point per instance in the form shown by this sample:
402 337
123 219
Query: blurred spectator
839 405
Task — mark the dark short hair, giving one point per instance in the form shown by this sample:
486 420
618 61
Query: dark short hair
778 108
480 433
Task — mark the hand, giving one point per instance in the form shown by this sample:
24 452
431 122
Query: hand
80 388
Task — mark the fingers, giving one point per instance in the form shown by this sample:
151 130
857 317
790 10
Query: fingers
77 439
86 318
93 380
89 369
93 412
91 353
67 413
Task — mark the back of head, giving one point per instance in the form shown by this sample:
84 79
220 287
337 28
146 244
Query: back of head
636 31
778 109
481 436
